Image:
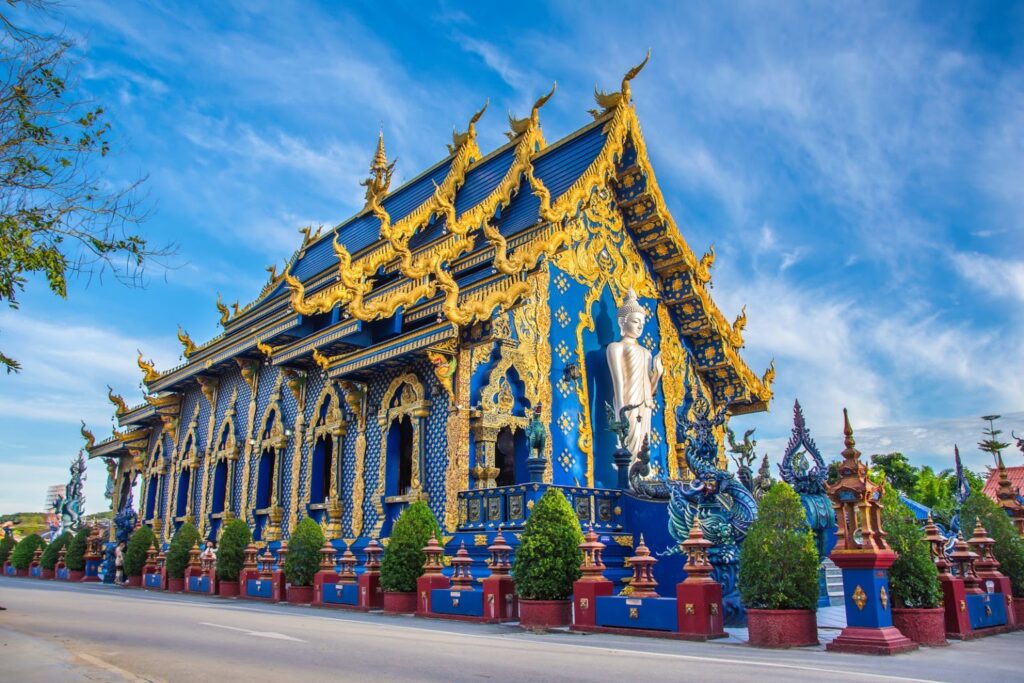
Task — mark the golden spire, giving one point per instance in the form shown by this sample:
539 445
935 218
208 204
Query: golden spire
380 174
380 159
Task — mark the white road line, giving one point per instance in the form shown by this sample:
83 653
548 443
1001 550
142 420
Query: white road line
259 634
107 666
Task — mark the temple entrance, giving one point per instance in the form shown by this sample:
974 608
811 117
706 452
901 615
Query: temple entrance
399 457
264 489
510 452
320 476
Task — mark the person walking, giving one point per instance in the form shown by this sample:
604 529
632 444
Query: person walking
119 564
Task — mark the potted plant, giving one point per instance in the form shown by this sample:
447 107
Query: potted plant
778 577
177 556
21 556
135 555
230 556
1008 548
547 562
74 559
403 557
913 579
302 561
48 560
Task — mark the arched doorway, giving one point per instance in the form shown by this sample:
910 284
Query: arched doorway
400 454
510 452
402 428
320 476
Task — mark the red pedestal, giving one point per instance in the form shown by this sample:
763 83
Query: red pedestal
699 610
319 579
499 598
1018 610
399 602
1002 585
175 585
75 574
299 595
544 613
46 574
243 581
584 602
370 594
24 572
278 590
424 585
872 641
870 630
954 600
923 626
134 581
227 589
782 627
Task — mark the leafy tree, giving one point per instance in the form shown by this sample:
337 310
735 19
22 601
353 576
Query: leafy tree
138 547
548 559
897 469
177 554
59 213
21 556
913 578
1009 546
7 544
231 553
934 489
403 557
778 559
48 560
303 559
75 557
992 445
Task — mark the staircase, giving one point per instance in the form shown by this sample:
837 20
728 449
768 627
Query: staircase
834 582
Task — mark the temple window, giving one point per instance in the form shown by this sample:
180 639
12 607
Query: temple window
220 486
268 462
323 464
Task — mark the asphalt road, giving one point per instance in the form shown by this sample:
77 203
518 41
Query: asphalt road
68 633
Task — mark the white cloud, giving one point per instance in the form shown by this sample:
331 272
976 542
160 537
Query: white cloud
1003 278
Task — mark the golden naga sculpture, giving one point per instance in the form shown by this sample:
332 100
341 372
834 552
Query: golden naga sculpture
322 361
738 325
609 101
769 376
519 127
380 179
444 369
225 314
266 349
460 139
308 236
236 309
90 438
186 341
149 371
703 271
117 400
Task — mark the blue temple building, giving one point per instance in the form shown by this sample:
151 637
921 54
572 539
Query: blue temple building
402 354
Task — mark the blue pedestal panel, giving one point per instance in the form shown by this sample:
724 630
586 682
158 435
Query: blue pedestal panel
62 574
462 603
986 611
872 611
35 572
341 593
10 571
257 588
151 580
199 584
656 614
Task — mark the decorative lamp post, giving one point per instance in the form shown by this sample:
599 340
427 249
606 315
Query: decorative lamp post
348 567
864 556
499 588
699 597
963 565
643 583
937 546
327 557
325 572
462 579
432 576
370 595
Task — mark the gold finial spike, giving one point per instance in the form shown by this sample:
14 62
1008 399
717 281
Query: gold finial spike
380 159
632 73
848 431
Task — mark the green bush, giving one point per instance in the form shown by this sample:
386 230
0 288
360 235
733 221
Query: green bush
778 560
403 557
303 559
75 557
138 547
231 553
913 578
177 555
7 544
21 556
48 560
549 557
1009 546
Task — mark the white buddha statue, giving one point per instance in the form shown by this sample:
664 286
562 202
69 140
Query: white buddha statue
633 378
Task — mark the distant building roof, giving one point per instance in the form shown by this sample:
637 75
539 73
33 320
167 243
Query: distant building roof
1014 474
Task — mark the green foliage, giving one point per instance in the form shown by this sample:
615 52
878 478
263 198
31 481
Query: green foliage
21 557
75 557
7 544
913 578
778 560
303 559
548 559
1009 546
138 547
231 553
992 445
177 554
48 560
403 557
897 469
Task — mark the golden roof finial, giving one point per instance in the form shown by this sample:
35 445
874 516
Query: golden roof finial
117 400
520 126
186 341
225 314
848 441
90 439
148 369
609 101
460 139
380 159
768 378
380 179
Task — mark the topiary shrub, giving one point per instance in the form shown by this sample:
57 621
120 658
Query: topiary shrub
778 560
21 556
913 578
138 547
75 557
1009 546
303 559
48 560
403 557
549 557
231 553
177 554
7 544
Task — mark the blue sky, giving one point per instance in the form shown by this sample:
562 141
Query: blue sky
858 167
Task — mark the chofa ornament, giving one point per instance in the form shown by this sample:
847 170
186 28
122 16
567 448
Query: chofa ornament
804 469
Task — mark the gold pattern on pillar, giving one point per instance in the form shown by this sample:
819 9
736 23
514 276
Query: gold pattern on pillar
329 424
355 399
412 403
295 380
457 469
